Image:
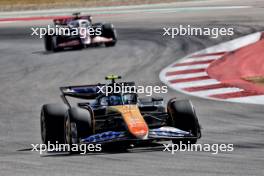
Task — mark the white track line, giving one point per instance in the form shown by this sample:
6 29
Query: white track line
258 99
202 58
7 22
187 67
216 91
194 84
183 76
233 44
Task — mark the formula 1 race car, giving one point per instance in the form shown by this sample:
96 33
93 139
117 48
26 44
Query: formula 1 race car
117 118
78 32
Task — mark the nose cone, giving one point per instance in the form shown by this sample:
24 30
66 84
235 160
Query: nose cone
134 120
139 130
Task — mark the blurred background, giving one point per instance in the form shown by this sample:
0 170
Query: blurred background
11 5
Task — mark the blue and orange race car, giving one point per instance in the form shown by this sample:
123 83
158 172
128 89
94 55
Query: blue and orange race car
117 118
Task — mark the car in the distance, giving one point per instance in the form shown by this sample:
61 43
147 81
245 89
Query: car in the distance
77 32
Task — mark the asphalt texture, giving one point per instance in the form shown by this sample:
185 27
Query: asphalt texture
30 77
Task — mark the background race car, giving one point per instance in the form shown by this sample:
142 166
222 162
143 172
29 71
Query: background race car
78 32
117 118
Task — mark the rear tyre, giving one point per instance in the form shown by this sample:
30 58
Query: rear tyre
51 43
52 123
78 124
182 116
54 44
110 32
48 42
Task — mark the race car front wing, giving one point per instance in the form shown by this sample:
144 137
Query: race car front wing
157 133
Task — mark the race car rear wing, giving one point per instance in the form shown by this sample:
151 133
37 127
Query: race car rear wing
67 19
83 91
88 92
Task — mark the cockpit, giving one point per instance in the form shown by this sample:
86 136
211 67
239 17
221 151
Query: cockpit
79 23
117 99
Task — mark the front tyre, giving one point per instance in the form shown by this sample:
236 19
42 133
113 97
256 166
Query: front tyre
78 125
182 116
52 123
48 42
110 32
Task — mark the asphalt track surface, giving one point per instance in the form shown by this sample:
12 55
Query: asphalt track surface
30 77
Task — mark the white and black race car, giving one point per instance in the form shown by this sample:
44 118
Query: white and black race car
77 32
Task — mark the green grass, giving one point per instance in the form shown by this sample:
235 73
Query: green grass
256 80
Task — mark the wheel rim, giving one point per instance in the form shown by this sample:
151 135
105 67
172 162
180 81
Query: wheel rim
68 131
74 135
43 127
